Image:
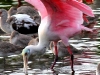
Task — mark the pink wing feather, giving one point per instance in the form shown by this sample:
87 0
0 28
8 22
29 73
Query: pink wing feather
59 4
65 12
84 8
39 6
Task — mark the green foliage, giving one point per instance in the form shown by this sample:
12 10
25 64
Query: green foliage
6 4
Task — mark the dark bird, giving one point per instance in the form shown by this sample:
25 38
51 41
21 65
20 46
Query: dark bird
25 21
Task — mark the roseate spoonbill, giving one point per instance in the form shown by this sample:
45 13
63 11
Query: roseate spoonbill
60 20
25 21
19 39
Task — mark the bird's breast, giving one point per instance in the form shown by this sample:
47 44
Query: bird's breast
45 29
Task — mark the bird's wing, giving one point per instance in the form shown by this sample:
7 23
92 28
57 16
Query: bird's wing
81 6
39 6
63 12
60 5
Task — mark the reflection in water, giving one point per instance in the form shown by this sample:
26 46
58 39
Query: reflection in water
85 63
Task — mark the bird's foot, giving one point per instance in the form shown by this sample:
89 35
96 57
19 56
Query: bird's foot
25 71
73 73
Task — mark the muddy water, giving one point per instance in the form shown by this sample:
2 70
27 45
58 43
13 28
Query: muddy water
85 63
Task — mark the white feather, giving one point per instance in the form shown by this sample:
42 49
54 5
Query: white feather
25 17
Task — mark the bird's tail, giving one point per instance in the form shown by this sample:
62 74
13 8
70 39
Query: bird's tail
81 6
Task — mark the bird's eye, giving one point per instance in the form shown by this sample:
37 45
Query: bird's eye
27 52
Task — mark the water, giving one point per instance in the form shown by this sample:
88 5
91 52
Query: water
84 63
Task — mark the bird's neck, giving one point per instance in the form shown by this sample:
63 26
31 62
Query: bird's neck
4 17
4 25
40 48
43 37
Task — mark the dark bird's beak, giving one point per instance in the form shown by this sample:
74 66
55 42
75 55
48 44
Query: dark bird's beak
25 59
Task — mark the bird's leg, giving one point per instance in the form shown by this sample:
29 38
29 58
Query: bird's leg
73 73
72 57
56 55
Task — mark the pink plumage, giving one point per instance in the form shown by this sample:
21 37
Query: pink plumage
61 20
65 15
62 10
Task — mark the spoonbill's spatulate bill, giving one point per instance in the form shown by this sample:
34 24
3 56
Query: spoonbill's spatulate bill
61 20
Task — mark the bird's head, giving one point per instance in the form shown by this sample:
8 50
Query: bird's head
31 49
26 53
